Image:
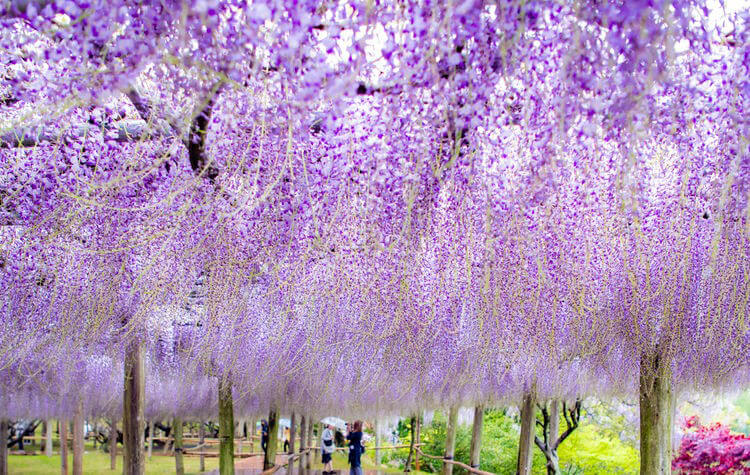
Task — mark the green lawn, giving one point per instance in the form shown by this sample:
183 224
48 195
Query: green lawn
96 462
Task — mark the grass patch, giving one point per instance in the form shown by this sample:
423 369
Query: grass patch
97 462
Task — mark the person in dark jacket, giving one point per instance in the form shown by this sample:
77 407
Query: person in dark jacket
354 437
264 435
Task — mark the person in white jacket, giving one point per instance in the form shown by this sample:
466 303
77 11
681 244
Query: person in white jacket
327 447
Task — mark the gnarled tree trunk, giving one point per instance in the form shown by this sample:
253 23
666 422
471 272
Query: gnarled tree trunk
526 441
64 447
150 438
3 447
550 441
226 428
378 458
48 447
310 442
78 440
412 424
202 440
179 464
133 422
657 405
273 439
112 444
292 435
302 442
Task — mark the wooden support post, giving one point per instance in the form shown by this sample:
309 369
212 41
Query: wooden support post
292 432
150 438
179 464
417 439
43 445
476 437
78 440
48 447
292 435
269 460
201 441
450 440
251 434
526 441
63 447
226 428
133 421
302 442
657 406
239 434
310 442
378 457
4 446
112 444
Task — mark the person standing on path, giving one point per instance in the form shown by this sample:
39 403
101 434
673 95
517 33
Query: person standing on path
354 436
264 435
327 447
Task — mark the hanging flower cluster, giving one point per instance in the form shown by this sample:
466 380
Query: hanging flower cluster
370 206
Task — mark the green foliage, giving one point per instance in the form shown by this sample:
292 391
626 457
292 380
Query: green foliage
499 444
742 403
594 450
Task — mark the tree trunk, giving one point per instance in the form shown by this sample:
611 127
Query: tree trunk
226 428
133 421
450 440
526 442
302 442
251 435
43 446
150 439
78 440
292 435
412 424
476 437
202 440
418 440
238 434
273 439
112 444
378 458
553 463
554 419
179 464
292 432
310 442
64 447
4 447
48 447
657 405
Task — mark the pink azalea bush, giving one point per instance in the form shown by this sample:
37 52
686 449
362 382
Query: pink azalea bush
711 449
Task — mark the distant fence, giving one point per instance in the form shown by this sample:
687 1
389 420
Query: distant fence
455 462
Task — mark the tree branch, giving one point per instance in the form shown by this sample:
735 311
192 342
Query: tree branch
196 143
123 131
572 422
146 109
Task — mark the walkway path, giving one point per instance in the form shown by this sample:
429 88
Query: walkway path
254 466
